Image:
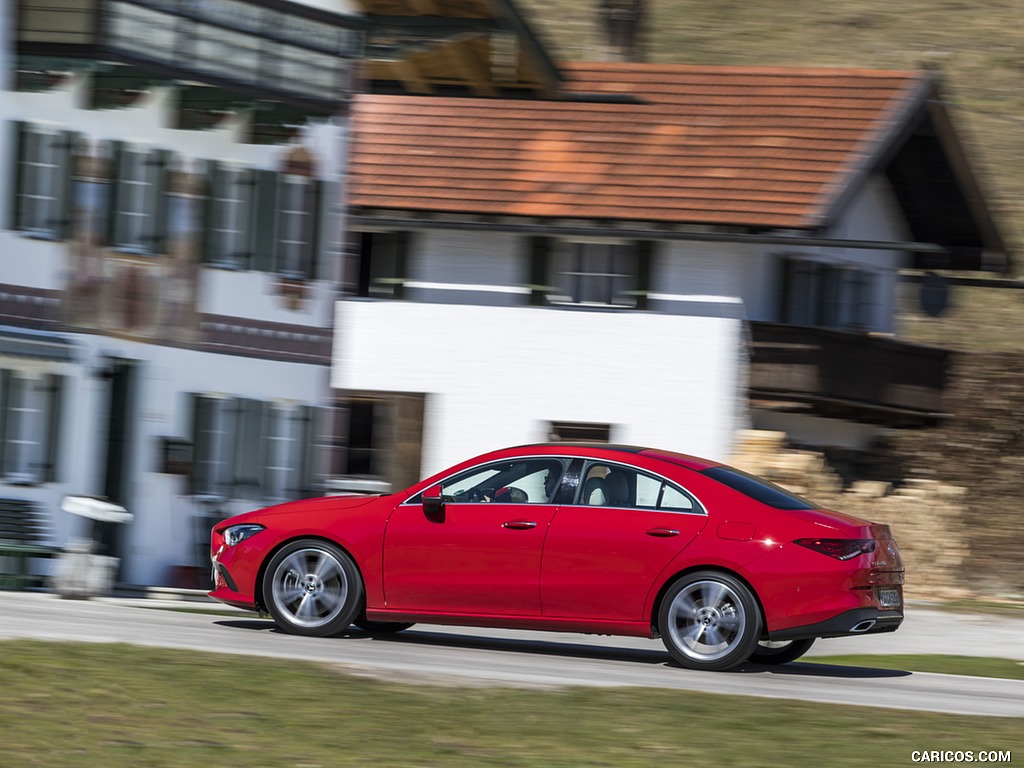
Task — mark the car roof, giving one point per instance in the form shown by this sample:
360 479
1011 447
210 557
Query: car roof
682 459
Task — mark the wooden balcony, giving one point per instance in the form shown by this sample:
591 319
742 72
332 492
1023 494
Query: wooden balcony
268 50
846 375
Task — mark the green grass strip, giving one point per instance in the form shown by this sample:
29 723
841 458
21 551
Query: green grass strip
69 704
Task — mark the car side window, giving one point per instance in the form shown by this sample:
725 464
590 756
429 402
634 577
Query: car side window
519 481
611 485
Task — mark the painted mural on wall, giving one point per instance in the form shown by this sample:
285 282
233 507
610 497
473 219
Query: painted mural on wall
145 220
135 244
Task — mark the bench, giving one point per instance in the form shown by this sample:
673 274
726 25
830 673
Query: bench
25 534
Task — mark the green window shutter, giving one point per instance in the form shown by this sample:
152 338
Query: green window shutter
158 165
317 201
644 257
249 185
540 253
249 441
17 129
116 190
5 407
202 417
305 450
403 243
55 392
265 221
66 200
212 186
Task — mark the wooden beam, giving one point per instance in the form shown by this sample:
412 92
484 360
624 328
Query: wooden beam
461 53
411 76
425 7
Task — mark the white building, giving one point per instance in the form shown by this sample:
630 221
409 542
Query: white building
171 247
664 254
169 264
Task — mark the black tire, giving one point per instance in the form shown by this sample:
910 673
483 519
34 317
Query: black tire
382 627
784 652
313 588
709 621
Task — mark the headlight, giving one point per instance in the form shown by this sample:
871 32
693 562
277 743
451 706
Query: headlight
239 533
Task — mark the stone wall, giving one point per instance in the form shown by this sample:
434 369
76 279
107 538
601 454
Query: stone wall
928 517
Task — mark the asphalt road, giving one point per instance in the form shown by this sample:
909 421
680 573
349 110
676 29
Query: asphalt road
431 654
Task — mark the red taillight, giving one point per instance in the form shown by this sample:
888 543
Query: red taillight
840 549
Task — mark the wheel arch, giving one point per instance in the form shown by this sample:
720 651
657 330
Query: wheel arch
660 596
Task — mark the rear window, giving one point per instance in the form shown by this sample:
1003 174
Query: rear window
758 489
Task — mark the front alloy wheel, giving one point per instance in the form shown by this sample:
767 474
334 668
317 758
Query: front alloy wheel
313 588
709 620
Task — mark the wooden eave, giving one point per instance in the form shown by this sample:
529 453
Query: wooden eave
481 48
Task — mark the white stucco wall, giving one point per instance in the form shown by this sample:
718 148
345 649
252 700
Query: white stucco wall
163 532
43 264
700 278
874 214
497 376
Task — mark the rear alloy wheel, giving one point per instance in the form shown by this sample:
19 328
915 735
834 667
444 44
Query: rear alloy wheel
709 620
312 587
780 652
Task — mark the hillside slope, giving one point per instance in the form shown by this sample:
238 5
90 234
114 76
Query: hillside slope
977 46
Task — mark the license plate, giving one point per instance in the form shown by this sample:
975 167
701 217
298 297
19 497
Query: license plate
889 598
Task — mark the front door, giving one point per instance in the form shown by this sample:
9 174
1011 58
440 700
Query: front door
121 375
482 553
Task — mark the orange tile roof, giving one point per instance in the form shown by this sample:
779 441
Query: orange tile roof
758 147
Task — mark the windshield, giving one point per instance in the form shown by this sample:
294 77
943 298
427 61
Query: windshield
758 489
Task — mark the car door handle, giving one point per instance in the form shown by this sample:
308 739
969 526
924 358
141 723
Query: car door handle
663 533
519 525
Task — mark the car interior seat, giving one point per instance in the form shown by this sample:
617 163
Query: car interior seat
595 494
617 488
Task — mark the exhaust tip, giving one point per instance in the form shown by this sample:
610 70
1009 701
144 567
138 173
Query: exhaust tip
863 626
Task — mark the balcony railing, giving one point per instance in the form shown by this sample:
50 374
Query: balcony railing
840 374
273 49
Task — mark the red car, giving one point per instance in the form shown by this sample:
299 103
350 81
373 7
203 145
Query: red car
619 540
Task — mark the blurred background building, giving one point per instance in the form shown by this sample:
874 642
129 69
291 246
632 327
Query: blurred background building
170 260
522 251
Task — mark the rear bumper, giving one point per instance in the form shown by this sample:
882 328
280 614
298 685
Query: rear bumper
859 621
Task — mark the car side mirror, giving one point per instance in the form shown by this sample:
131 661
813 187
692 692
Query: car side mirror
433 502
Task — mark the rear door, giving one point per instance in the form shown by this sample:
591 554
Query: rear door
604 551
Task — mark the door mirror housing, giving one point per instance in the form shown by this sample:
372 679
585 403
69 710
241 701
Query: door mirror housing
433 501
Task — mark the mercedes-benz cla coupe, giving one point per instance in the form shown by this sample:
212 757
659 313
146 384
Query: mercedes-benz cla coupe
724 567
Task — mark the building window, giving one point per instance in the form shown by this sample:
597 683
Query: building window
296 227
139 181
826 295
602 274
213 438
286 223
594 273
29 424
248 449
365 452
42 169
382 259
232 200
283 453
579 432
